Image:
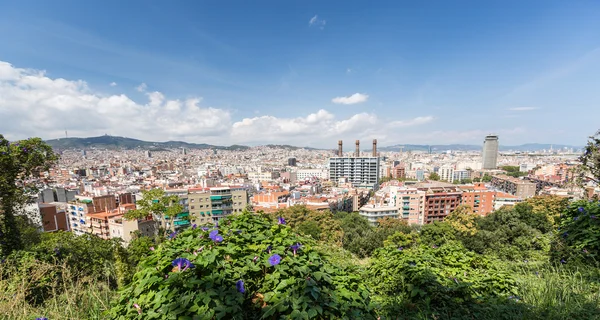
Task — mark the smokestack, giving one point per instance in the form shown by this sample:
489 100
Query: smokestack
357 148
340 149
374 147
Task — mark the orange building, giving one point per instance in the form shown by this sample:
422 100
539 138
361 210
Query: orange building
479 198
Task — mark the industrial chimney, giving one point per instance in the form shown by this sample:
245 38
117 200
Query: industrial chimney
374 147
340 149
357 149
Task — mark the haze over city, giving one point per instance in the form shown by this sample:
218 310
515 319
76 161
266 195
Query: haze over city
301 73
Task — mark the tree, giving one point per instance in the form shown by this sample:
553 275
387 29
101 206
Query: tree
486 178
156 204
462 219
434 176
20 164
321 225
589 169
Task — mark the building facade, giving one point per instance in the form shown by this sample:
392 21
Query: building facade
362 172
374 213
490 152
212 204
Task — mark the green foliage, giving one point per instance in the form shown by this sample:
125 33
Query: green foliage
156 204
513 171
578 237
589 168
512 233
437 233
359 237
18 162
434 176
306 284
431 277
550 206
321 225
486 178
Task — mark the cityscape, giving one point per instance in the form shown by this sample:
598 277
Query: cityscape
90 190
296 160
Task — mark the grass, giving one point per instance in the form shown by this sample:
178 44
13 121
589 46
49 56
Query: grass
544 292
65 297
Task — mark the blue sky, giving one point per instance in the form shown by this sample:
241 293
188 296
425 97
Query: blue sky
256 72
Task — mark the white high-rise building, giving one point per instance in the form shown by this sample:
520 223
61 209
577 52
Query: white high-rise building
362 172
490 152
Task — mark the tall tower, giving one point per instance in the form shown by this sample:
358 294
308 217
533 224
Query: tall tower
490 152
340 149
357 153
374 147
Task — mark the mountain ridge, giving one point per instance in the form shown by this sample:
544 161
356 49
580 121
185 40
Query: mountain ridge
117 142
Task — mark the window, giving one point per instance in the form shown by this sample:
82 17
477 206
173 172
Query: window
192 207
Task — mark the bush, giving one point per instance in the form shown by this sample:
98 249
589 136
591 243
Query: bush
432 277
232 272
578 238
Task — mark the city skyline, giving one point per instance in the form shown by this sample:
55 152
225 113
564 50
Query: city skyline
302 75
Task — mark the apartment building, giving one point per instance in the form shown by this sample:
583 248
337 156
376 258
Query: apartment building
410 203
212 204
54 217
119 227
479 198
516 187
362 172
303 174
440 202
79 208
373 213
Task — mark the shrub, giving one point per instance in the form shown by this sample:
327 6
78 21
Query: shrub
578 238
428 276
247 267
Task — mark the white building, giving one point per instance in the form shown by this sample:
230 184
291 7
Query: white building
303 174
374 213
362 172
446 173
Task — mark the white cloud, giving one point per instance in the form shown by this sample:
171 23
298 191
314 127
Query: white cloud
523 108
316 22
113 84
32 104
411 122
355 98
348 71
142 87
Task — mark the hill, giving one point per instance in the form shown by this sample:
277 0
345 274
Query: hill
114 142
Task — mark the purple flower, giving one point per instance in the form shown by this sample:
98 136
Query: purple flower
240 286
218 238
194 226
213 234
455 280
138 308
275 259
295 247
593 216
280 220
563 261
581 209
42 318
151 248
255 258
565 234
239 232
173 235
182 264
204 228
434 246
585 251
217 224
268 249
400 248
575 218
